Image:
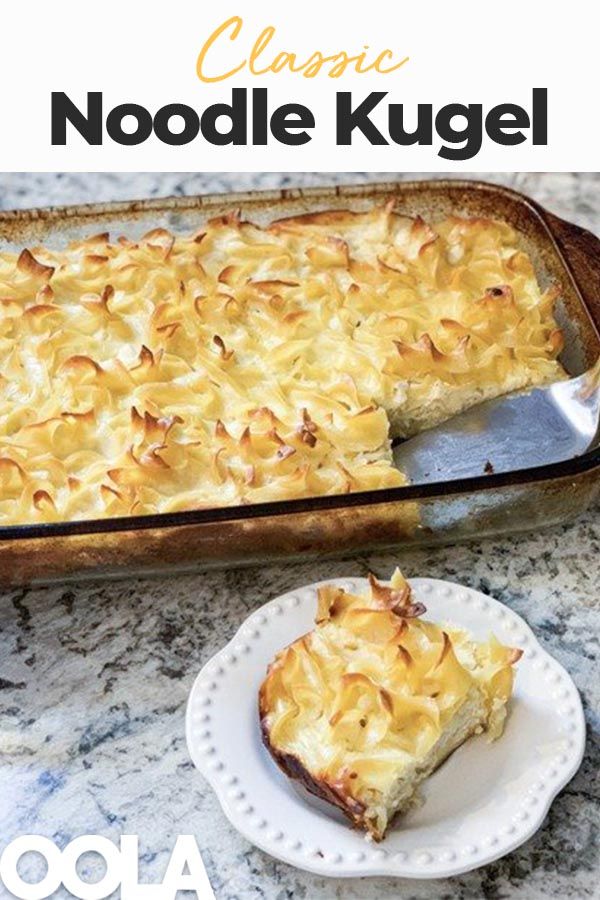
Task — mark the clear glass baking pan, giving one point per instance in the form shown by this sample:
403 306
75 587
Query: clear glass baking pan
320 526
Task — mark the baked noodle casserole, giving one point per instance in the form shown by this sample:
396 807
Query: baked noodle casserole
244 364
365 707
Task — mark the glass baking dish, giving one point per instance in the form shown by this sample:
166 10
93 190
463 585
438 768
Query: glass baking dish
321 526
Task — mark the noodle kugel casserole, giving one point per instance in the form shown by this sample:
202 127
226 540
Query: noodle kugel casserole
244 364
366 706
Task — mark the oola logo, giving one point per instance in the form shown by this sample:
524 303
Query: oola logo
185 869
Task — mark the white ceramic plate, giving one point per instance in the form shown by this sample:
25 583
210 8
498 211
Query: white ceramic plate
484 801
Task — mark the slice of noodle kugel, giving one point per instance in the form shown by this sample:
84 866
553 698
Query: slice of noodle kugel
367 705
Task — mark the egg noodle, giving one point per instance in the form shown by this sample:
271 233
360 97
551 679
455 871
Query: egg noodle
364 707
244 363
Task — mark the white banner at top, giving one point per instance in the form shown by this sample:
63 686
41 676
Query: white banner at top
264 85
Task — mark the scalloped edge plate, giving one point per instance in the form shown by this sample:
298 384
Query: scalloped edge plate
484 801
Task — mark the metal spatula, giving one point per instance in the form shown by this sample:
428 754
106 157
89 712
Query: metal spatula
518 431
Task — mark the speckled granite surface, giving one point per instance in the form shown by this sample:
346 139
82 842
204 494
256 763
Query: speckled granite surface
94 679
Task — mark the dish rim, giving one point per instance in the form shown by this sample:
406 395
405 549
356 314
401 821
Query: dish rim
206 759
589 461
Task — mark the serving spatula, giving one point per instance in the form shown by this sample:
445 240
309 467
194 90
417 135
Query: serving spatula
523 430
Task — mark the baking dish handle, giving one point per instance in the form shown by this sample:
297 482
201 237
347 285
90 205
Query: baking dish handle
581 249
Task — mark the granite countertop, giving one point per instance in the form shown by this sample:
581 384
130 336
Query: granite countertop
94 678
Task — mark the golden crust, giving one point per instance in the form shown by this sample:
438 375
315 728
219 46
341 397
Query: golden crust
370 696
311 341
293 767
